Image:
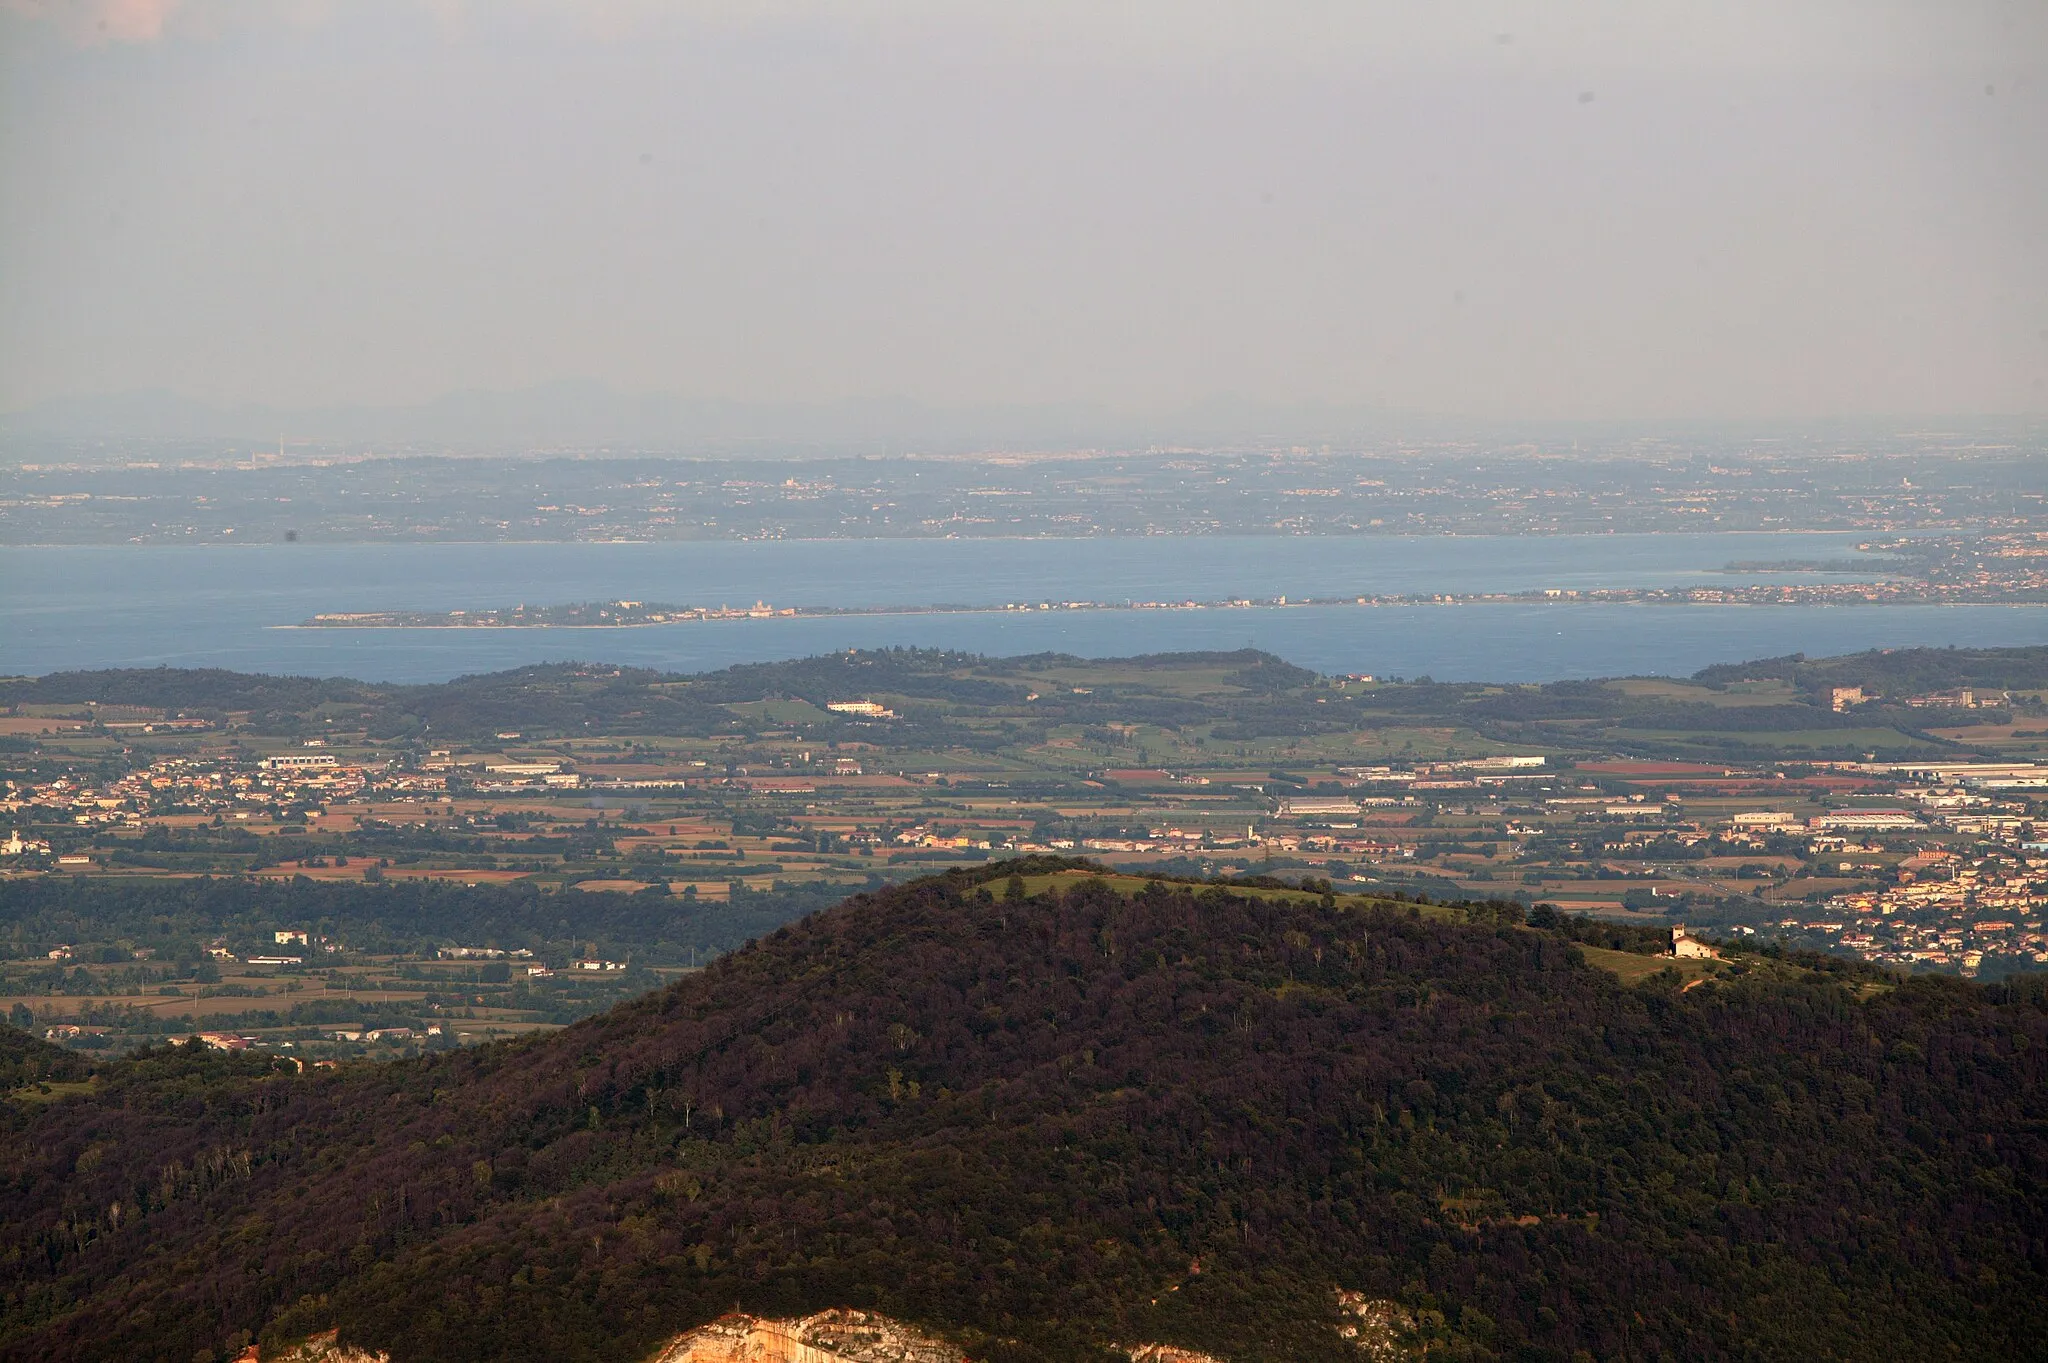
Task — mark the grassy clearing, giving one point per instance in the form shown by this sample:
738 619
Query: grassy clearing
1634 969
1130 884
1655 688
779 711
50 1092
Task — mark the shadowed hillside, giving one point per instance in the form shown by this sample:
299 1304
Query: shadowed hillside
1039 1125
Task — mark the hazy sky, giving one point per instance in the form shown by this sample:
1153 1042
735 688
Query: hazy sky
1541 208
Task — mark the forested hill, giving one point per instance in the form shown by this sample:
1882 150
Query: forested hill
945 699
1037 1125
1898 670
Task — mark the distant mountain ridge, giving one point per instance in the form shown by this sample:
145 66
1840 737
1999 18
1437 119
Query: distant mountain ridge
1256 692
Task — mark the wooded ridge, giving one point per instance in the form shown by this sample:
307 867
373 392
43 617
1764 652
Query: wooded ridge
1037 1125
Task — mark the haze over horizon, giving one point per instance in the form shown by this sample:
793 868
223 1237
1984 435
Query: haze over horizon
1519 211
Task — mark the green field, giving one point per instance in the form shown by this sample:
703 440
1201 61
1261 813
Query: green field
1126 884
52 1090
1632 968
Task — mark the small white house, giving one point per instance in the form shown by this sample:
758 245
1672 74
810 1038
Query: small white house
1683 946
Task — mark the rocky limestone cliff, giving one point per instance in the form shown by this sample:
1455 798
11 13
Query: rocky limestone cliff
828 1337
1381 1331
321 1348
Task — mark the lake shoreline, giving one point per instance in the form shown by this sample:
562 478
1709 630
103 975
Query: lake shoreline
145 606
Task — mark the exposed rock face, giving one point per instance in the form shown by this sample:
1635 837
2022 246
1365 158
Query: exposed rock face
828 1337
323 1348
1382 1330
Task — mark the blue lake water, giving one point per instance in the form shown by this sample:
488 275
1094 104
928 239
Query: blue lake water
71 607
